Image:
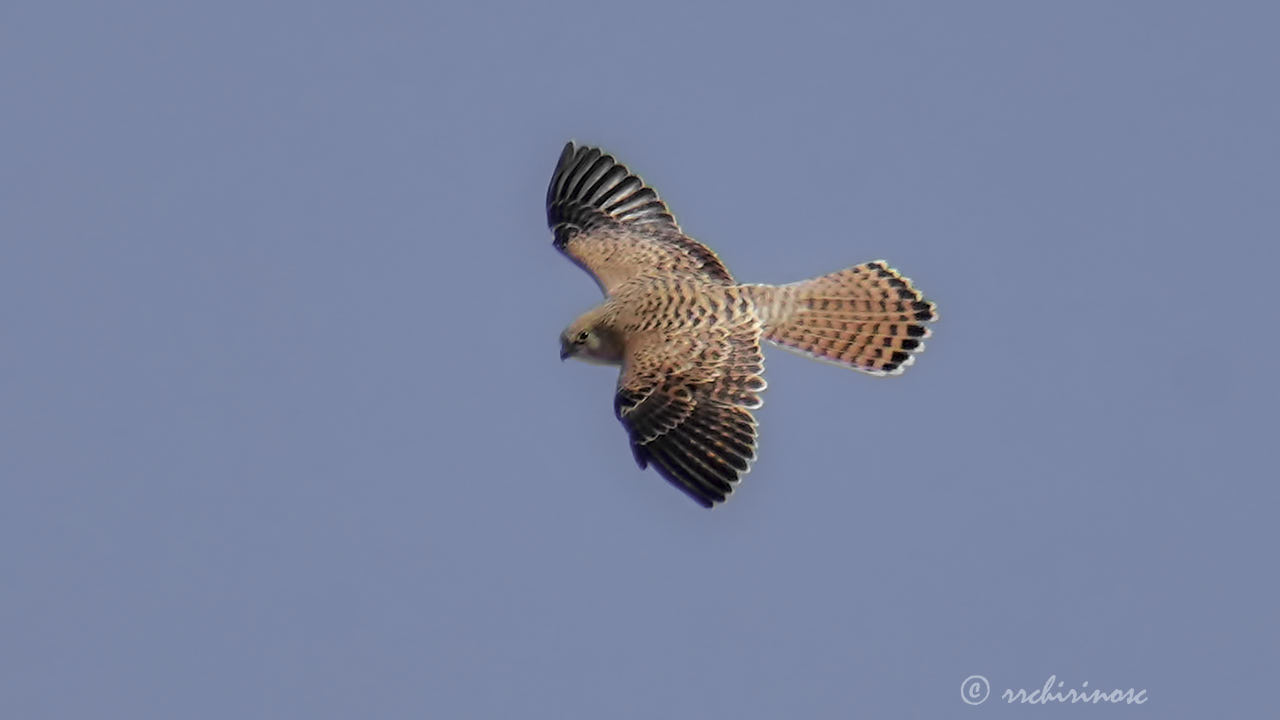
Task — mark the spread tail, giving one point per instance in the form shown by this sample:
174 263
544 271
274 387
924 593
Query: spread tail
866 317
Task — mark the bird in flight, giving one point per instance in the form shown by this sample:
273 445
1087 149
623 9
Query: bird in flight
687 335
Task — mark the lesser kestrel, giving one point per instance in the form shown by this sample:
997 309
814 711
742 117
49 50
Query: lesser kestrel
687 335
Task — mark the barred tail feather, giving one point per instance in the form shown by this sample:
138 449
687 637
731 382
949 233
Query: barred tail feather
866 317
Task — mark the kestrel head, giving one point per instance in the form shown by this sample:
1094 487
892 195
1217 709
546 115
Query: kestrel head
588 340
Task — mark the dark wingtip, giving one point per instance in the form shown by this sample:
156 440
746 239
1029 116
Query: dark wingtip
642 459
590 186
569 153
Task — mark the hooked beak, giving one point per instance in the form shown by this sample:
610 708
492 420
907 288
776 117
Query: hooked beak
565 352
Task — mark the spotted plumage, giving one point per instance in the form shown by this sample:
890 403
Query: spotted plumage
687 335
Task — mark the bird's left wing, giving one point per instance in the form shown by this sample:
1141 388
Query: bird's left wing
615 227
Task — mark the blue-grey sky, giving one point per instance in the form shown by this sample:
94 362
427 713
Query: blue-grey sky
284 433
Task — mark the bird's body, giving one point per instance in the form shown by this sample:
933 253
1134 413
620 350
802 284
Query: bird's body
687 335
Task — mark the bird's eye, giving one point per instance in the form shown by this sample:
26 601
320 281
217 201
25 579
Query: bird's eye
582 336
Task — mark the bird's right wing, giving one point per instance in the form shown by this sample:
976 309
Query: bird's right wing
611 224
686 403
